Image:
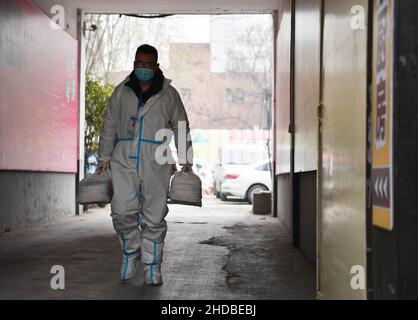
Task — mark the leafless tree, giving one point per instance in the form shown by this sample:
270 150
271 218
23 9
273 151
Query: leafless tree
112 46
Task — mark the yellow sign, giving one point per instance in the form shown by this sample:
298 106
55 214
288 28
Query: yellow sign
382 105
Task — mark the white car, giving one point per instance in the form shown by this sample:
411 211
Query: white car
233 157
245 181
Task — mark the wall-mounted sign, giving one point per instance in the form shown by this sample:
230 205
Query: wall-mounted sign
38 91
382 104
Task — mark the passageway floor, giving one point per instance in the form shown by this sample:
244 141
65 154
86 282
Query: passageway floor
220 251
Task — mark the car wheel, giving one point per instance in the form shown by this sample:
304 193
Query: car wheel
218 194
224 197
255 189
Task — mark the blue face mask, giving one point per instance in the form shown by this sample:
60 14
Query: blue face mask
144 74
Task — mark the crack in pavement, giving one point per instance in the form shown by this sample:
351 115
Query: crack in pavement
231 278
261 255
181 222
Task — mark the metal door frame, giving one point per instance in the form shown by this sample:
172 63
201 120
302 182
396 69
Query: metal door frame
319 171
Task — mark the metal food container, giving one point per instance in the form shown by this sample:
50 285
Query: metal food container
186 189
96 189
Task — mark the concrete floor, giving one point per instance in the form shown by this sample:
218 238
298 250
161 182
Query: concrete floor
220 251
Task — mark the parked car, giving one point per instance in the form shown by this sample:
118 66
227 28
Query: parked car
233 157
245 181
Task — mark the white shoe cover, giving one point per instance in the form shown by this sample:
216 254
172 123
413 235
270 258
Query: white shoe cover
129 266
153 274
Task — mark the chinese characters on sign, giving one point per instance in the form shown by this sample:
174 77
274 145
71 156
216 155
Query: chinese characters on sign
382 104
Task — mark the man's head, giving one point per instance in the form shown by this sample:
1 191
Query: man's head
146 62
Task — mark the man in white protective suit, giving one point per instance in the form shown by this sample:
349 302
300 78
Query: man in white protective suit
140 106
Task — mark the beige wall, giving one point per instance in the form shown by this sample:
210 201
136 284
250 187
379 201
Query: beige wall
282 107
342 242
341 142
307 68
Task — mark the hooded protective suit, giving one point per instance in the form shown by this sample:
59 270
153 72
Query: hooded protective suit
140 183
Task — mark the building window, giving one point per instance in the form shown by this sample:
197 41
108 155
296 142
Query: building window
235 96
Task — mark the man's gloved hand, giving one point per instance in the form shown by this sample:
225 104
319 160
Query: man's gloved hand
187 168
102 167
